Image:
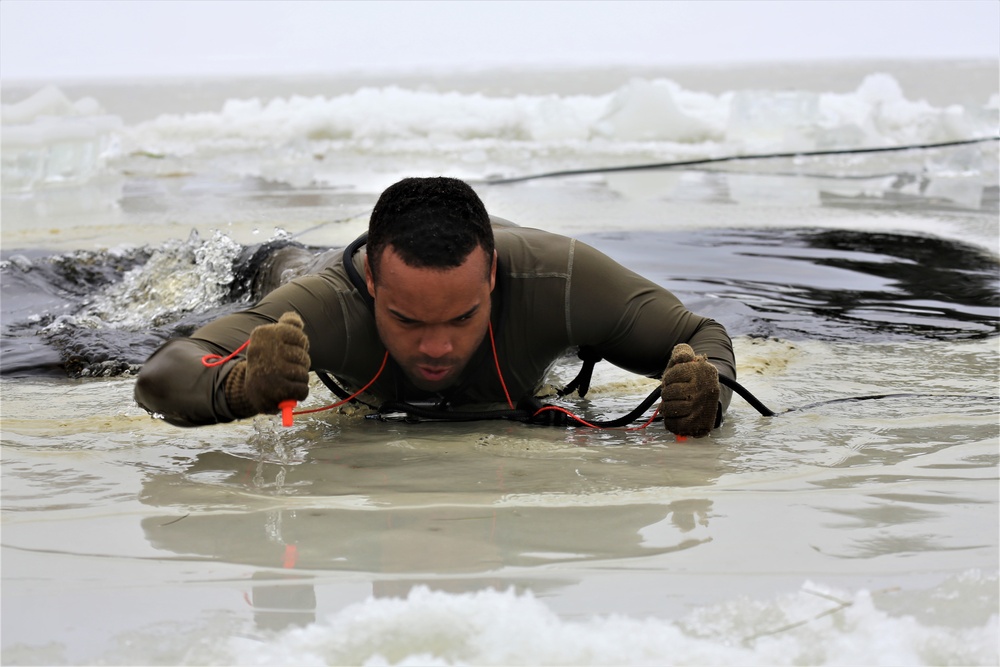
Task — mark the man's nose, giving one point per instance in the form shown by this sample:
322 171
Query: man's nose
435 343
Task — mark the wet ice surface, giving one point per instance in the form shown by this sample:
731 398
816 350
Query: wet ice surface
777 540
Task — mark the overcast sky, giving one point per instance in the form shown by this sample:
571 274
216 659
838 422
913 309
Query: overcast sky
58 40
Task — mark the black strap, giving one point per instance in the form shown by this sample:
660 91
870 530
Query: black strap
581 383
529 410
747 396
339 391
352 271
359 283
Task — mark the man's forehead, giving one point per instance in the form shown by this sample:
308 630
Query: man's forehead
432 295
391 256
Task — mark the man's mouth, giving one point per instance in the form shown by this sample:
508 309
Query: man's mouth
434 373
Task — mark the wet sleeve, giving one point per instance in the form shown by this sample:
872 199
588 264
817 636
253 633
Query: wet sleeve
635 323
175 384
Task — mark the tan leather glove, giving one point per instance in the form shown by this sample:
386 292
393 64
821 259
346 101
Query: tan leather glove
690 392
276 369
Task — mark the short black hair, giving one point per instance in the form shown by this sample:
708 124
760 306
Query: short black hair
430 222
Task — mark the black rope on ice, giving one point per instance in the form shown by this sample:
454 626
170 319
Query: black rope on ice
532 411
734 158
767 412
747 396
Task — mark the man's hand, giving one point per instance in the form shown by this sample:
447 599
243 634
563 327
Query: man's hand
276 369
690 391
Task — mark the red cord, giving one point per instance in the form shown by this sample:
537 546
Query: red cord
510 404
556 408
210 360
496 360
385 360
569 414
656 413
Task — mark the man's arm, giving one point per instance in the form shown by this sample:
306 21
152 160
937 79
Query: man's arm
636 324
176 384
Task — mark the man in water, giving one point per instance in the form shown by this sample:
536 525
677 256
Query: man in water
454 308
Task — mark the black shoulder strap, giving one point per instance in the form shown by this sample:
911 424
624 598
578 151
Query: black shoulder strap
352 271
581 383
359 283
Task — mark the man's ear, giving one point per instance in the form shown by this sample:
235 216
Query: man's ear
493 271
369 279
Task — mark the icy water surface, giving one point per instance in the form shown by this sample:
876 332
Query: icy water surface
881 512
837 532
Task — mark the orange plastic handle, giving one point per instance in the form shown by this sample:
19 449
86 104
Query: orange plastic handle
286 412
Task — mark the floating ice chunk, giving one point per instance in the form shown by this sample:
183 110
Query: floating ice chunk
302 140
813 625
49 140
773 121
880 88
649 111
879 114
558 119
49 101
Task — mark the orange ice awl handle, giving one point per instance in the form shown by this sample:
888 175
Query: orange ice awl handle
286 412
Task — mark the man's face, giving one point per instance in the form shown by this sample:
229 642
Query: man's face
432 320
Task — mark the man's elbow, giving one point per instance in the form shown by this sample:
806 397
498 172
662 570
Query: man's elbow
159 389
151 389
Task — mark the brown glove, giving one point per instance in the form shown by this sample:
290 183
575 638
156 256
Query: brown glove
276 369
690 392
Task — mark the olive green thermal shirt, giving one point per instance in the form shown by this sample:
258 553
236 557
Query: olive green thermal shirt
552 294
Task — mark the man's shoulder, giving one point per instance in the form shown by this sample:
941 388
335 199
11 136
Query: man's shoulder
528 252
514 240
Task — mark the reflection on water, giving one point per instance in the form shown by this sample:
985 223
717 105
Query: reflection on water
822 284
382 506
280 601
375 504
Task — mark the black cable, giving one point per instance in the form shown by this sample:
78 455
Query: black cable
529 411
625 420
733 158
767 412
533 411
874 397
747 396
